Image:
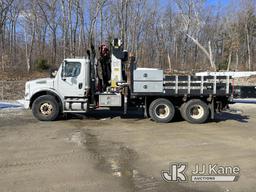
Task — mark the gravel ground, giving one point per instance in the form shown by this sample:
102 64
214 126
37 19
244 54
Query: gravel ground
106 152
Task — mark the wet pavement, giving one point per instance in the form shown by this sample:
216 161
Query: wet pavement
109 152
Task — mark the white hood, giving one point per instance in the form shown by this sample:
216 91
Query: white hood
41 83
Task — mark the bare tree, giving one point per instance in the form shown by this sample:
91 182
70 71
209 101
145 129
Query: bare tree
49 10
96 7
5 7
179 34
208 52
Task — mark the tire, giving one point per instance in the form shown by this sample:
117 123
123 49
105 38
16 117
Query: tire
161 110
195 111
45 108
183 111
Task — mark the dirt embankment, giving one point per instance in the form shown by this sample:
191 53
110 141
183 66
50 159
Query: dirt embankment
12 90
21 76
12 84
246 81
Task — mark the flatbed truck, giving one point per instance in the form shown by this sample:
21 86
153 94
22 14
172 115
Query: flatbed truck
161 96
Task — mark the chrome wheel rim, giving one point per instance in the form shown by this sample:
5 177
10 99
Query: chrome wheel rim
196 112
46 109
162 111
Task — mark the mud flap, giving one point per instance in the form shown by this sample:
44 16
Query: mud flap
212 109
146 108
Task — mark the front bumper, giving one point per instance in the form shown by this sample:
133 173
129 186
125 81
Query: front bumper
26 104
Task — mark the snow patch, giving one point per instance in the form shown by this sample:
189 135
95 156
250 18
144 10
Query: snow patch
10 105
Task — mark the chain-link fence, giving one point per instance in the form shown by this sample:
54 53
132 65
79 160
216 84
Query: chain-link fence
12 90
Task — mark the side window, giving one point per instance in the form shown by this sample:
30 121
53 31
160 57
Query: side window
72 69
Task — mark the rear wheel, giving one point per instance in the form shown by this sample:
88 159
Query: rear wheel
161 110
45 108
183 111
195 111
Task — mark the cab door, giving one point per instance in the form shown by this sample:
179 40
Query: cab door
71 79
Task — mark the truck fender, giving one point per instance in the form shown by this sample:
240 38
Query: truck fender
46 91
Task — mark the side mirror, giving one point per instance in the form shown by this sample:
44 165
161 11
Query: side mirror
63 74
53 73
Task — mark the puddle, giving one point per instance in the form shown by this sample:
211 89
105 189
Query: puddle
118 160
77 138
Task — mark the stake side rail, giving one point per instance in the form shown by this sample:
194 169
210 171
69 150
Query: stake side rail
193 86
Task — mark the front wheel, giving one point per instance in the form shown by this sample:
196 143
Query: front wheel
45 108
161 110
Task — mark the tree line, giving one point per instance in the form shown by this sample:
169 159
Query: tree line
182 35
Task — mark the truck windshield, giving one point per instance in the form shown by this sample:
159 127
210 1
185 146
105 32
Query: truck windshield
72 69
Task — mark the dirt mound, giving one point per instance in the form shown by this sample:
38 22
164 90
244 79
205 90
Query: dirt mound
15 75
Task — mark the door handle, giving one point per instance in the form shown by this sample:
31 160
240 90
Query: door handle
80 85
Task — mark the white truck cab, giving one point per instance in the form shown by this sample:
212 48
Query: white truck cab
71 82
